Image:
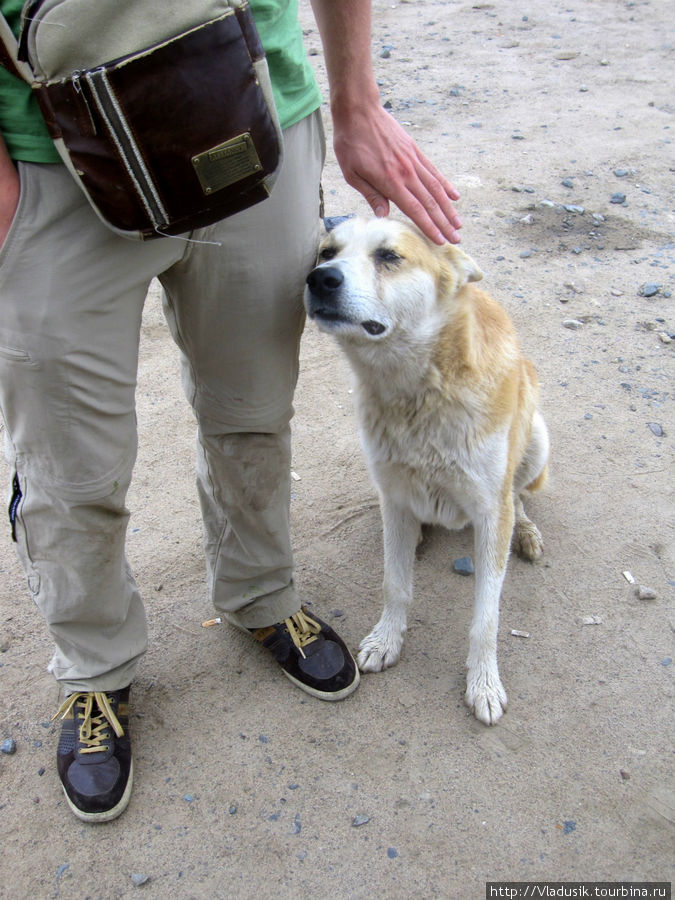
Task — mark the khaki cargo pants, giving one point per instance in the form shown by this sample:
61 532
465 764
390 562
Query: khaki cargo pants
71 298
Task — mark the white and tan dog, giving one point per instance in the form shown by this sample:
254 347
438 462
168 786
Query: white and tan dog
447 408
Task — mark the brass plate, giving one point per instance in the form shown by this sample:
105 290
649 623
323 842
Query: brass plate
226 163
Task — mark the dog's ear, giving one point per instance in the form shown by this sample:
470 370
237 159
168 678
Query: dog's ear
466 268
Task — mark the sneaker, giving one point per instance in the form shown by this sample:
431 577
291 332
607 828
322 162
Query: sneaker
312 655
94 754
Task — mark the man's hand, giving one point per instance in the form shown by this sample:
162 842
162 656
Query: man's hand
376 155
382 162
9 191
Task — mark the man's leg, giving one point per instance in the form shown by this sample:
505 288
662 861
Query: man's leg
72 296
236 311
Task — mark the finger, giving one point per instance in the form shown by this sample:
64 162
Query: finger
377 201
435 225
436 201
448 189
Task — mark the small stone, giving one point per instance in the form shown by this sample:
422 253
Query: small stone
621 173
525 254
583 89
646 593
575 209
359 820
650 289
665 338
463 566
567 182
573 324
624 775
8 746
617 198
232 810
528 220
138 879
589 620
392 852
385 53
655 428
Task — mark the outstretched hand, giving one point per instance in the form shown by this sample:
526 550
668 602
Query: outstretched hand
383 162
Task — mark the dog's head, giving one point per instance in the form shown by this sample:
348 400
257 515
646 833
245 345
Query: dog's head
380 277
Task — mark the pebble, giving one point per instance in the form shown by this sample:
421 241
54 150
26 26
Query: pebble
650 289
573 324
646 593
392 852
621 173
138 879
567 182
463 566
526 254
589 620
655 428
8 746
575 209
617 198
665 338
359 820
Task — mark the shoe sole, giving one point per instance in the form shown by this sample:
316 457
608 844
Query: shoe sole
330 696
108 814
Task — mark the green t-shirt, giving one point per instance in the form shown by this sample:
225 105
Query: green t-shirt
295 90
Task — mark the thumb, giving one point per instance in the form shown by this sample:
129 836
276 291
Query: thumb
377 202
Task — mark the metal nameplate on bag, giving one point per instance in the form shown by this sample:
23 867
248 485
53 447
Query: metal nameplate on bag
227 163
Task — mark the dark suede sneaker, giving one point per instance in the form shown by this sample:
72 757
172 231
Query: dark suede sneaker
312 655
94 754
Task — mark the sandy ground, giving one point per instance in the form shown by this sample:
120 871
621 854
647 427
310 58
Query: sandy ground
245 787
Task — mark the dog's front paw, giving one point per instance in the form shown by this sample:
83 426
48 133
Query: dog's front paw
527 540
379 650
485 695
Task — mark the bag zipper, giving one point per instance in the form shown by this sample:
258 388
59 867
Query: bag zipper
113 116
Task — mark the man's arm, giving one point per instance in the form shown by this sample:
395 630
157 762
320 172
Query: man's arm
9 191
376 155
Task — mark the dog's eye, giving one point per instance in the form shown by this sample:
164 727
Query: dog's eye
327 253
385 255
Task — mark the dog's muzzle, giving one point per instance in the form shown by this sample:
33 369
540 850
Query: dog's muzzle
323 298
324 285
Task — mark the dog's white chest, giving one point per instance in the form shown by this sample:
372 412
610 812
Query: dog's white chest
432 464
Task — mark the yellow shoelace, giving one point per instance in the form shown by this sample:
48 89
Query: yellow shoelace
93 728
302 630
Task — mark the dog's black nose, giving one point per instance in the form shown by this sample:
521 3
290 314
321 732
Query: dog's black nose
325 280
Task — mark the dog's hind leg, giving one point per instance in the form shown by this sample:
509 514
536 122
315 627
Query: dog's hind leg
485 694
531 475
382 647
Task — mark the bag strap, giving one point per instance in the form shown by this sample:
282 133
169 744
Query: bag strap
9 53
